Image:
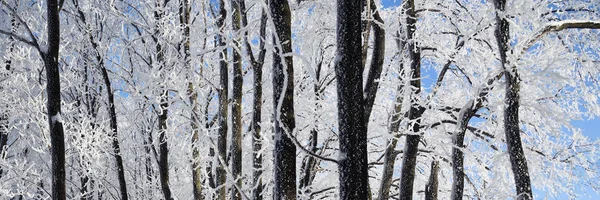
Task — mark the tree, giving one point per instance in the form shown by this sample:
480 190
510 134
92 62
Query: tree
221 176
283 100
352 162
50 58
511 111
111 106
156 73
255 127
409 159
236 110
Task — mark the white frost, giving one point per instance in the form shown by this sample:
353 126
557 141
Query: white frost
56 118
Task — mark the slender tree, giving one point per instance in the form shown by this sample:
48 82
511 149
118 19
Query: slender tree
236 108
163 107
184 20
352 164
409 159
221 176
255 128
431 189
111 105
283 101
512 129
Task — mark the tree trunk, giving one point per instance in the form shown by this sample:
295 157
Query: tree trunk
511 110
372 83
57 136
184 18
390 153
409 160
352 163
111 110
431 189
283 100
255 128
236 108
163 109
221 176
457 151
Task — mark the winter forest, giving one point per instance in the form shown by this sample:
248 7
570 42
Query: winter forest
298 99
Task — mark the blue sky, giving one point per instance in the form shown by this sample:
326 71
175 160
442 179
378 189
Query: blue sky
590 128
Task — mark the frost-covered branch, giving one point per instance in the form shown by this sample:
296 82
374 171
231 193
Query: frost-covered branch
558 26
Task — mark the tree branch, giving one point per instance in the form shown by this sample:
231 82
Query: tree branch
33 42
559 26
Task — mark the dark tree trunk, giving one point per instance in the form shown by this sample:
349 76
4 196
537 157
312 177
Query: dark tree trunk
184 19
111 109
457 152
115 139
409 160
283 101
256 135
352 162
431 189
221 176
163 109
163 147
236 108
255 129
390 153
57 136
372 83
511 110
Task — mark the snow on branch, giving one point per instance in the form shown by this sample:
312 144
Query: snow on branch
559 26
33 42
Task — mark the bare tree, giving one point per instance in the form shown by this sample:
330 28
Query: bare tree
511 111
255 128
409 159
283 101
236 108
221 176
352 162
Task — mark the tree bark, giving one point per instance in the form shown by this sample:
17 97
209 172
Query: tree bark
221 176
431 189
236 108
255 129
57 136
163 109
184 18
390 153
111 109
376 65
409 160
352 131
283 100
511 110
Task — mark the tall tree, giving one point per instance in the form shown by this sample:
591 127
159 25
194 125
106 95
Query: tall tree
352 164
255 128
283 101
163 106
512 128
111 105
221 176
409 159
185 9
236 108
